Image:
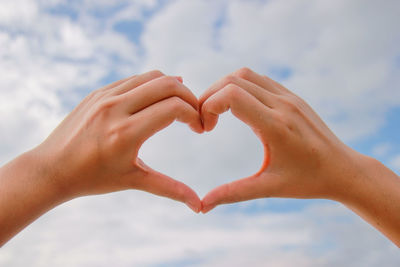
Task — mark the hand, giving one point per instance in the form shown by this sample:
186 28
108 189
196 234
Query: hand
94 150
303 158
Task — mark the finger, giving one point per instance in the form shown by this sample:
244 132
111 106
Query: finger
179 78
161 114
282 88
159 184
242 104
264 96
253 187
261 80
156 90
95 95
136 81
116 83
246 74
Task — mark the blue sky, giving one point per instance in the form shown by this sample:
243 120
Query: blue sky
53 53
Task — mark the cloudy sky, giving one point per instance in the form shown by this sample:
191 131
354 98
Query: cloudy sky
343 57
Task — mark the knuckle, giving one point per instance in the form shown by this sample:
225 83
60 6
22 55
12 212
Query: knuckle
113 136
228 194
108 104
115 132
177 104
180 191
299 102
102 109
233 92
156 73
170 83
290 103
244 72
118 135
94 94
229 79
281 122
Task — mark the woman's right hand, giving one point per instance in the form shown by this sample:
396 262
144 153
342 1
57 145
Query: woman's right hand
303 158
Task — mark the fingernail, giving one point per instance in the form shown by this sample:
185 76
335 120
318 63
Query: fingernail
205 210
192 207
179 78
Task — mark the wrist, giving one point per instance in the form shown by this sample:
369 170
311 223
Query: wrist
351 176
373 192
363 180
368 180
27 190
44 175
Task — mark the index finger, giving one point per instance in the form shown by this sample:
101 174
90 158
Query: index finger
267 87
242 104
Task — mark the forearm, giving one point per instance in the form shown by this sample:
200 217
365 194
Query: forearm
374 194
26 192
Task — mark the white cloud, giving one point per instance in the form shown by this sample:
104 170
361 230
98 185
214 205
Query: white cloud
344 67
98 231
229 152
395 163
381 149
13 17
45 59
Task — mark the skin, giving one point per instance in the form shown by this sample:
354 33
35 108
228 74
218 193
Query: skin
303 158
94 150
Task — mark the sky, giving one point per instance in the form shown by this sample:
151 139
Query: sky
341 56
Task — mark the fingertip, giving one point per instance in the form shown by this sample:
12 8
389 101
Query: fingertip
206 204
193 207
185 113
208 115
197 129
202 99
197 125
179 78
194 204
206 209
210 120
192 200
183 92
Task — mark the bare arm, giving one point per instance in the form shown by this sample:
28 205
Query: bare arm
94 151
303 158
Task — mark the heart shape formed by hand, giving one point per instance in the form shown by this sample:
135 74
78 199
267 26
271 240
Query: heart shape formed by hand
295 140
230 150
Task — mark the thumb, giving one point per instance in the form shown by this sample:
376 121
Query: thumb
256 186
159 184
